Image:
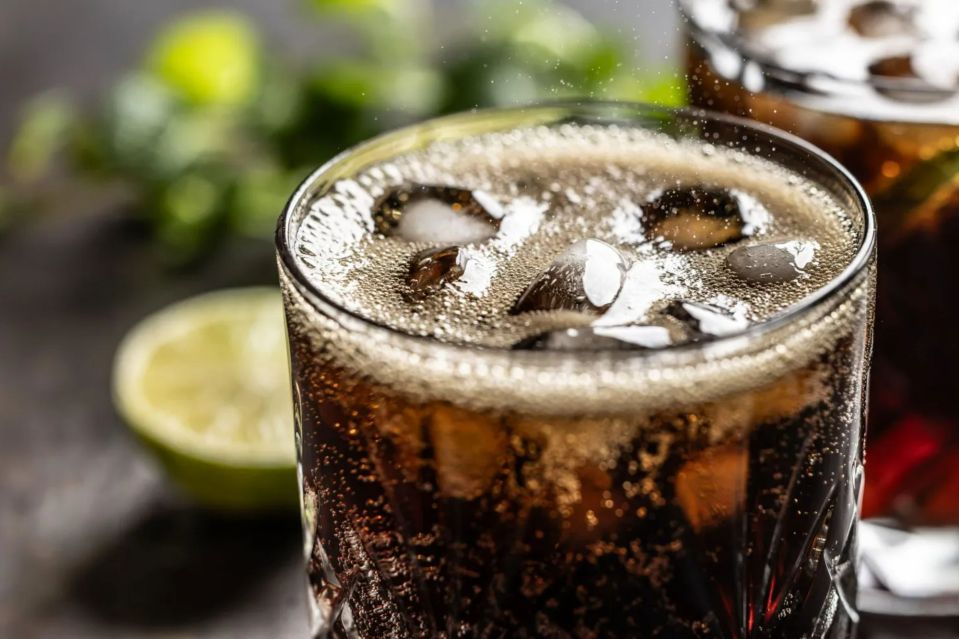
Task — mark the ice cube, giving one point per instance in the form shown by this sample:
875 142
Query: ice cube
599 338
760 14
777 400
937 62
883 19
706 320
897 77
431 269
437 214
586 277
897 66
769 262
695 218
639 336
469 449
711 487
570 339
645 284
401 429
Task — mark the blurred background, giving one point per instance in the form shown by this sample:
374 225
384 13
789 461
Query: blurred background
147 149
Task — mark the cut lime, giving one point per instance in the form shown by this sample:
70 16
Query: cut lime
206 385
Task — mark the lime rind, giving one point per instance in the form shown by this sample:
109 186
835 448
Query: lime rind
205 384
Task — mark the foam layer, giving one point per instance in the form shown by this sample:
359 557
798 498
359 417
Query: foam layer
557 185
552 187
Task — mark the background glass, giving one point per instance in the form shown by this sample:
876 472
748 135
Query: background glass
900 138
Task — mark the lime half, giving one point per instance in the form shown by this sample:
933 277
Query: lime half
206 385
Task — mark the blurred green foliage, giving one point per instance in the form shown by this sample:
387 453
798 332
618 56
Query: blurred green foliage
211 134
211 59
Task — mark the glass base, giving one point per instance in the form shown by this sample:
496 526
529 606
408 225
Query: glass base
909 573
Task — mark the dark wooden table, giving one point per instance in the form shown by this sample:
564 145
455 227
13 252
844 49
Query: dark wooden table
93 541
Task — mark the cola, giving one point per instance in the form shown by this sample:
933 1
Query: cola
876 84
552 402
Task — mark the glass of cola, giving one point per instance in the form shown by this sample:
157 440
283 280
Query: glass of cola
580 370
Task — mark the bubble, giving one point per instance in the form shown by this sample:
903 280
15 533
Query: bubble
437 214
586 277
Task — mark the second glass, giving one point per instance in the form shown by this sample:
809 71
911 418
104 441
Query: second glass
875 84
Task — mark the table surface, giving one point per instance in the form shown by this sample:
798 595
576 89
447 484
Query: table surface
93 541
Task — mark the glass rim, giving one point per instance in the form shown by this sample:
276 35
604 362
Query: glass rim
313 294
807 80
